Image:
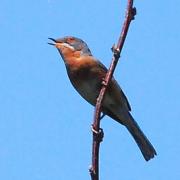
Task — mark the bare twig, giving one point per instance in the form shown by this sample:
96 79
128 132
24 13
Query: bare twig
97 131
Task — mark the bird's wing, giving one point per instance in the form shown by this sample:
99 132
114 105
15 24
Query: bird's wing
120 94
116 90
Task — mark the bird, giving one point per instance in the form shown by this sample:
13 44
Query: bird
86 74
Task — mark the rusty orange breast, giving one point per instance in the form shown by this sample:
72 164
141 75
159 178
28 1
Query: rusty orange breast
75 60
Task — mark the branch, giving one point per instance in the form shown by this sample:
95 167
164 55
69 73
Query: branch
97 131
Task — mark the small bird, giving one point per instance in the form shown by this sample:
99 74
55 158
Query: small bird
86 74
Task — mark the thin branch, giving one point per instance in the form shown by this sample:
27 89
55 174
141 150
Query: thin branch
97 131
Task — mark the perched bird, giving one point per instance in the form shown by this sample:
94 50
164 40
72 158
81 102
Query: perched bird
86 74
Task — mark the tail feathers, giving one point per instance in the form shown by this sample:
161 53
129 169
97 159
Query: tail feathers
142 141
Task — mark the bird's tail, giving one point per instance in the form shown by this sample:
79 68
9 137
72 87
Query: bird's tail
142 141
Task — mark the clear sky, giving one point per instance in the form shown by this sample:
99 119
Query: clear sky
45 125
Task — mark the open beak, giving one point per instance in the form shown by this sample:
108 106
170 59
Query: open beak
53 44
59 44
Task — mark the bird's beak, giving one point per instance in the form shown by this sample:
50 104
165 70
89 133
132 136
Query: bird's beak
59 44
53 44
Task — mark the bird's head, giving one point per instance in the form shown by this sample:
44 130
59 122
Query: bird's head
70 46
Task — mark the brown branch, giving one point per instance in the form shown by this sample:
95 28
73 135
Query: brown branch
97 131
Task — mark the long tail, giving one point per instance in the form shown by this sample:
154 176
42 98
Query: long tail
142 141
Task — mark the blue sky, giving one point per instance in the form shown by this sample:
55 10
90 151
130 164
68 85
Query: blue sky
45 125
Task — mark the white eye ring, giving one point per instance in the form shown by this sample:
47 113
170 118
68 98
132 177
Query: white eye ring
68 46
